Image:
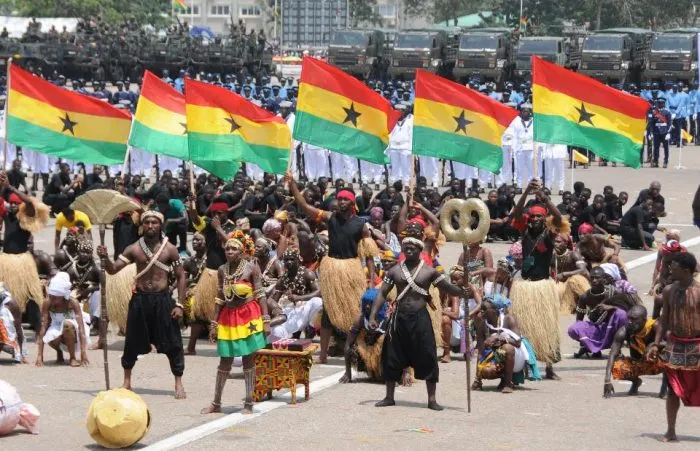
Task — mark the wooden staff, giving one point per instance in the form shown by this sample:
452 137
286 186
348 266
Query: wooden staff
7 102
467 335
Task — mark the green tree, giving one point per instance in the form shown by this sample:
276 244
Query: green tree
364 11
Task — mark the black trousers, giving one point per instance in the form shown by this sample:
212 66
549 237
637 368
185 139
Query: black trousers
410 341
149 322
660 140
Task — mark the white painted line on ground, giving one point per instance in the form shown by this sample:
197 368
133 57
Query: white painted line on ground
651 257
212 427
206 429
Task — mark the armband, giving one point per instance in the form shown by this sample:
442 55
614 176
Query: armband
580 310
387 280
177 304
176 263
124 259
439 279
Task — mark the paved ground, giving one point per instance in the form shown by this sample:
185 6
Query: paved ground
570 414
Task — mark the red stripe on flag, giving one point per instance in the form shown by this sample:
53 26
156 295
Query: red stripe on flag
162 94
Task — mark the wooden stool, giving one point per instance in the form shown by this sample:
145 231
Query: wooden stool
276 369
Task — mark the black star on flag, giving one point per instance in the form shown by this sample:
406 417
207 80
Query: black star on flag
351 115
462 123
252 328
584 116
234 125
68 124
184 126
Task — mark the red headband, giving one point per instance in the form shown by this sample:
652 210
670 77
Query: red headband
14 199
347 195
538 210
217 207
585 229
419 220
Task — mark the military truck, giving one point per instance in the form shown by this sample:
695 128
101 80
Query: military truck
485 53
616 54
673 56
558 50
358 52
432 50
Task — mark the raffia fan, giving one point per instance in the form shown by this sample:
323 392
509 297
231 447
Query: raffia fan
103 205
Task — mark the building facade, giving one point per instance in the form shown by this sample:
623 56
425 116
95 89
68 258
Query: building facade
217 14
308 23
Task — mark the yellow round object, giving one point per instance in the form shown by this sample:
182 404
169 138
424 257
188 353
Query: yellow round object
465 208
118 418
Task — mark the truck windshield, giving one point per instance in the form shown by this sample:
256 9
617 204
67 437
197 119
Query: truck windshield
537 47
348 38
413 41
477 42
672 43
603 43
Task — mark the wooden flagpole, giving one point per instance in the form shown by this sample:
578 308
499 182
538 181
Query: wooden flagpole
7 102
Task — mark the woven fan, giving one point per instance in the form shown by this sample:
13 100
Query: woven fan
104 205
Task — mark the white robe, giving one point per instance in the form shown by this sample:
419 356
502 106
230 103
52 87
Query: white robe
523 148
399 150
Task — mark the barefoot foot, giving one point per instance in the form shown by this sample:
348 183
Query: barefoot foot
247 408
74 363
345 379
668 437
386 402
210 409
445 359
433 405
96 346
180 392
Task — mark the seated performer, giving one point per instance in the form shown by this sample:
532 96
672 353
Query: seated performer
242 321
298 293
11 333
85 277
571 274
639 333
607 312
508 355
153 317
63 324
410 340
592 249
194 267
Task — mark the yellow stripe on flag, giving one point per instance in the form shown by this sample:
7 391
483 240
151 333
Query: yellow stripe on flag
160 119
558 104
443 117
84 126
239 332
330 106
580 158
685 135
215 121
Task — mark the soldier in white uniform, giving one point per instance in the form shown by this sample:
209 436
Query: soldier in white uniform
400 146
315 161
507 144
554 156
523 145
288 115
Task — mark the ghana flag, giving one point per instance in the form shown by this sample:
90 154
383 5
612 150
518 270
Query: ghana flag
224 127
576 110
160 126
62 123
240 330
338 112
457 123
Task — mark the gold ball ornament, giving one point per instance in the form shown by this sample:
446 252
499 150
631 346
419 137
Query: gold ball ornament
118 418
464 208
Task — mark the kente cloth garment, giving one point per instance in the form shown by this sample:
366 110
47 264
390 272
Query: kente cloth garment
240 328
150 322
628 369
681 359
599 335
410 341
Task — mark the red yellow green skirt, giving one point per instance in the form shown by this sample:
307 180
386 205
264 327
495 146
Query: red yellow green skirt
240 330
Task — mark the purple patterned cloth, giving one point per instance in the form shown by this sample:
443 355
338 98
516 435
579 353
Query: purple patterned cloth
624 286
598 336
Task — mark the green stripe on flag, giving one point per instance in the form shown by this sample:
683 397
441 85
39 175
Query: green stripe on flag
339 138
153 141
606 144
244 346
464 149
40 139
231 148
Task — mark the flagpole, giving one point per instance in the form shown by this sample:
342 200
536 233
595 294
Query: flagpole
7 102
572 169
680 151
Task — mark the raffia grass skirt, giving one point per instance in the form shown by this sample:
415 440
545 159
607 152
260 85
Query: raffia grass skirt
436 315
342 284
204 294
20 276
371 356
536 307
569 292
120 289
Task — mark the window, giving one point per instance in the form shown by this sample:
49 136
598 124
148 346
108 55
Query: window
220 10
250 11
386 10
192 10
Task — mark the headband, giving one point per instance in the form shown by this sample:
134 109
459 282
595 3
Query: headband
418 220
291 252
14 199
152 214
234 243
585 229
538 210
414 241
347 195
60 285
612 270
281 215
85 245
217 207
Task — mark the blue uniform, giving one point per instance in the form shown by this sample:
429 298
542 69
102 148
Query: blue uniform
661 128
